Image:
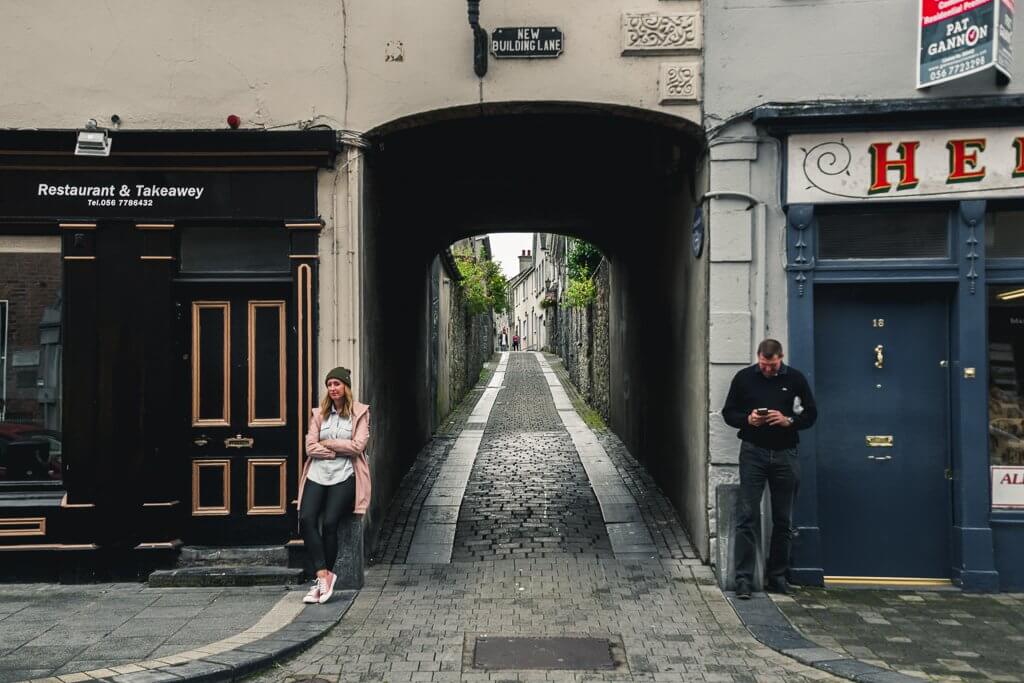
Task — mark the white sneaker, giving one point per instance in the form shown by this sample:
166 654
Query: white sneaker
313 596
327 587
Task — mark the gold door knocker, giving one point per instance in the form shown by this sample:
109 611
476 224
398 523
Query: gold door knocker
879 356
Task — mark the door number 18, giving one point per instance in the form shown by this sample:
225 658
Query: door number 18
878 322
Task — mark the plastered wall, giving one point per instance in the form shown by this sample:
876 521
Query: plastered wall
344 63
760 51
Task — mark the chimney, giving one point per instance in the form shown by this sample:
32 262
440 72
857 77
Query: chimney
525 260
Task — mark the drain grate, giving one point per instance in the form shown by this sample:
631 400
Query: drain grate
543 653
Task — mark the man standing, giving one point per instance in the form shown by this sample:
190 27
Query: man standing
769 403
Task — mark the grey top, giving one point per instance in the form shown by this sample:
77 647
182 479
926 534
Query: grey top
330 472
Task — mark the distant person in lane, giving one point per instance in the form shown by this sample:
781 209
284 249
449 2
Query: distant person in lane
335 482
769 402
515 342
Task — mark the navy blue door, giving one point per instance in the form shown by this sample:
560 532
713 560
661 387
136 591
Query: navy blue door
883 429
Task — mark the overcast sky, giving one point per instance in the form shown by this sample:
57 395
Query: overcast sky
506 247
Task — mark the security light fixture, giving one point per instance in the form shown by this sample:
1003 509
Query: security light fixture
92 142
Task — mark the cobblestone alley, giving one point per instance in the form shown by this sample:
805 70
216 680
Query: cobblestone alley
530 555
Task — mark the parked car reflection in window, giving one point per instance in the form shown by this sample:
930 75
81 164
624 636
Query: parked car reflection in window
29 452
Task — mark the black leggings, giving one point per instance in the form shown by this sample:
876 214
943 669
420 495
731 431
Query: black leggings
334 503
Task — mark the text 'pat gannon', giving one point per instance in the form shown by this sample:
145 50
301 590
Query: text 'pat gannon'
122 192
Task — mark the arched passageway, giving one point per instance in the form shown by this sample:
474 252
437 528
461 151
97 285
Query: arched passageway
625 185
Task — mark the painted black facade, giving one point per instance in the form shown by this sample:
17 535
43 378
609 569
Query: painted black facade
179 246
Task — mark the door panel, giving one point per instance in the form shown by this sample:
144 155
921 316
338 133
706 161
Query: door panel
211 364
883 429
267 358
238 435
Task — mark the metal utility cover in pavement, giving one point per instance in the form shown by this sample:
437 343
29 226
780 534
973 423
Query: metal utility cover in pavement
543 653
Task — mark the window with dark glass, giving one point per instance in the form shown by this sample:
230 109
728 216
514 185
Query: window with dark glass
892 234
1004 234
1006 374
30 358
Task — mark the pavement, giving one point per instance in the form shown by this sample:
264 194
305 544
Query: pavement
130 633
528 565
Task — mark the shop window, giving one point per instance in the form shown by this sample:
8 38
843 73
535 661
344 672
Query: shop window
883 235
1004 234
1006 394
206 249
30 358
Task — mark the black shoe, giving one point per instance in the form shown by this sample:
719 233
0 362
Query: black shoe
743 590
777 584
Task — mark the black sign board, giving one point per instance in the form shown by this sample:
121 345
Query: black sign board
156 194
527 42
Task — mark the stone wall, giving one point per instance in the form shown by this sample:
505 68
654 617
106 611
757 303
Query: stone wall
580 337
464 341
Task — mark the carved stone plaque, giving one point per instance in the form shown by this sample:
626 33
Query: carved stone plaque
654 33
679 83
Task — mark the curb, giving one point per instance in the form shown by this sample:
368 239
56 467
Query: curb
307 627
769 626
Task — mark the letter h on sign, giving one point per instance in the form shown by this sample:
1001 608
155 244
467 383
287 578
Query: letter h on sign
881 165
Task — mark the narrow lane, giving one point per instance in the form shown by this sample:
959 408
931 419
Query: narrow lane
528 495
532 559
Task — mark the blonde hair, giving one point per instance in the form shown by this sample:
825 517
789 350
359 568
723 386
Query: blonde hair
346 404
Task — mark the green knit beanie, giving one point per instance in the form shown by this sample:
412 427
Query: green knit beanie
343 375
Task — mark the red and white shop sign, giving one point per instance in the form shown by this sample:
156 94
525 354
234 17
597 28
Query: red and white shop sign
957 38
1007 487
890 166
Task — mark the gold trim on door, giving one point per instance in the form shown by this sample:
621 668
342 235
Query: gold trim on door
304 346
280 419
251 507
198 511
12 527
225 419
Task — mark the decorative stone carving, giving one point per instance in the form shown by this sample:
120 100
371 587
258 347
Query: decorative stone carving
679 82
647 33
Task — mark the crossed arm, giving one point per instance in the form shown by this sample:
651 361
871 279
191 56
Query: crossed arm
329 449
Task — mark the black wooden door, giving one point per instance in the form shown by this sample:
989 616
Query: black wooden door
240 407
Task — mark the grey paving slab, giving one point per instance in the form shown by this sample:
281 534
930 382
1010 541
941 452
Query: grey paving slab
84 628
439 514
940 634
620 512
429 554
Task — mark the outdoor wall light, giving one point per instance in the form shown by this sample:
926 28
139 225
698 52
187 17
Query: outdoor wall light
480 38
92 142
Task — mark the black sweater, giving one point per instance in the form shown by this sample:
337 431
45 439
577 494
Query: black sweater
750 389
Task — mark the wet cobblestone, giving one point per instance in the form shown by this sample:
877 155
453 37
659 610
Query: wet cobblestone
399 524
524 403
658 512
528 495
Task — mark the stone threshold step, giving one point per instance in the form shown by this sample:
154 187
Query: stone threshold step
225 576
222 556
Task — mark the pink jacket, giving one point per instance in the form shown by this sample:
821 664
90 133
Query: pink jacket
354 448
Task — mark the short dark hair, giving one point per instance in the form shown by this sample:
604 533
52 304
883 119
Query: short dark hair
769 348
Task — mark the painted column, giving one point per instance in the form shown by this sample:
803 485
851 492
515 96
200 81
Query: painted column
973 555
